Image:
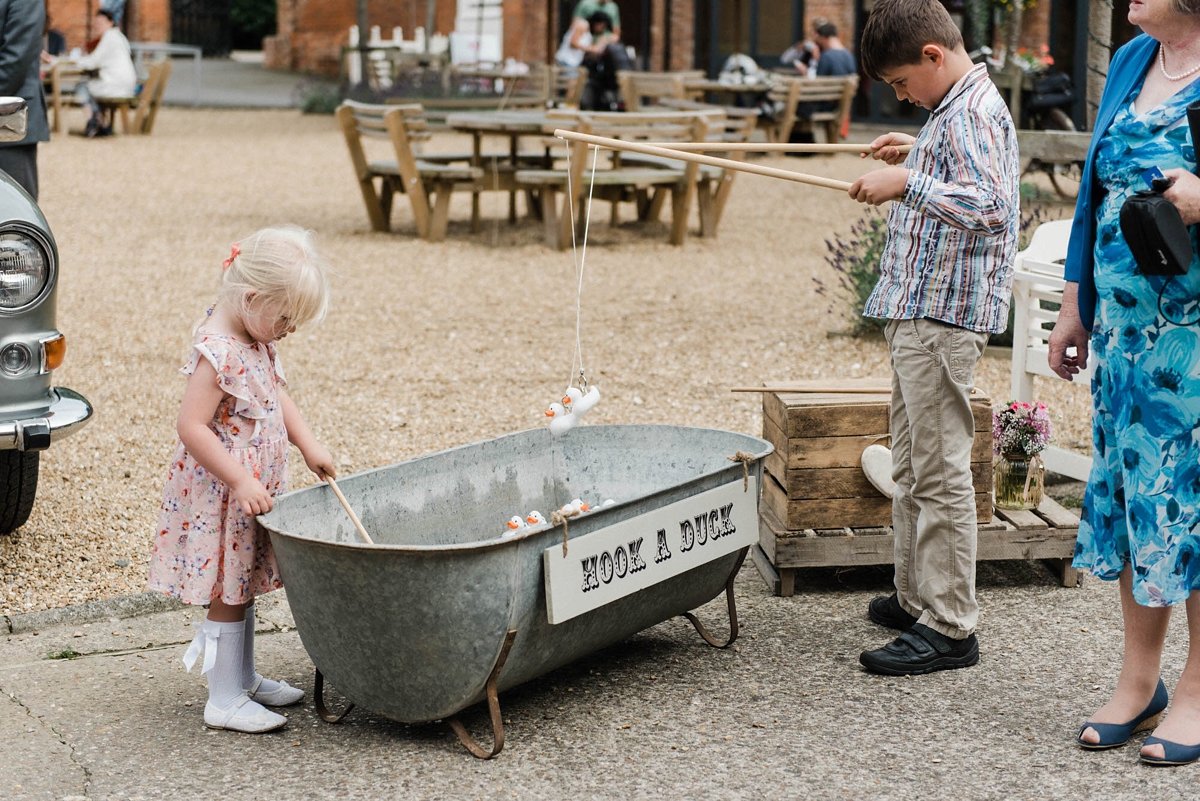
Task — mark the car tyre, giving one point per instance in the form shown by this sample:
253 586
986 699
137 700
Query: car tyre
18 485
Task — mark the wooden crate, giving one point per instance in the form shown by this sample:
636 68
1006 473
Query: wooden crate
1047 534
814 478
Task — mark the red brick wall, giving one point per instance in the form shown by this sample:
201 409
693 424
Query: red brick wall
145 20
311 33
525 30
839 12
682 31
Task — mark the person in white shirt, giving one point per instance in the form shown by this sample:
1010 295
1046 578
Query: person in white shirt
117 75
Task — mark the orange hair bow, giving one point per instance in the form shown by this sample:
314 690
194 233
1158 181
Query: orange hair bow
234 252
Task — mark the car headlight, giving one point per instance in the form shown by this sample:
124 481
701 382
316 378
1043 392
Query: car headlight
24 269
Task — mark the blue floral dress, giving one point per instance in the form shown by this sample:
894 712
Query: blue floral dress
1142 504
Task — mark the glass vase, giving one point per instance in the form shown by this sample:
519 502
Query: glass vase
1020 481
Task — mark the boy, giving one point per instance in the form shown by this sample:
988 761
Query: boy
944 287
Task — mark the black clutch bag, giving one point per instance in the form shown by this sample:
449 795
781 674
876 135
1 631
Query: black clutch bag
1161 244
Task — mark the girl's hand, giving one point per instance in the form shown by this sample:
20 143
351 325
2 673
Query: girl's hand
880 186
1184 193
319 460
252 496
885 148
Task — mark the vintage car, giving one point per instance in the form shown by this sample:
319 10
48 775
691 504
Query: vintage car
33 413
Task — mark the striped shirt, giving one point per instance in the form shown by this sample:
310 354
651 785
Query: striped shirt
953 235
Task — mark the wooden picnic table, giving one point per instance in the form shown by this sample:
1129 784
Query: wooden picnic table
512 124
696 86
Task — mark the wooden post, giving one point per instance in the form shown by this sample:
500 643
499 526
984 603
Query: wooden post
1099 50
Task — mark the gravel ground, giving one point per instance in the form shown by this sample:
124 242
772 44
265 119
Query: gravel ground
427 345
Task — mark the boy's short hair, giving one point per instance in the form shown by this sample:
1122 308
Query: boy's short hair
898 29
828 30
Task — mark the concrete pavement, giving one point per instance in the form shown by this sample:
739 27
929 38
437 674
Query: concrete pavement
787 713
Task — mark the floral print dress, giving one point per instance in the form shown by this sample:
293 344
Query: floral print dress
205 546
1142 504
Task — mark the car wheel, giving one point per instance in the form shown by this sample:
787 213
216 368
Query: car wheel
18 485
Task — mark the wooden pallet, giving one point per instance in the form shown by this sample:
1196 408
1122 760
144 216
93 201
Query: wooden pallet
1047 534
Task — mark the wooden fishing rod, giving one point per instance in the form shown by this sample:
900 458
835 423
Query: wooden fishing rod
772 147
712 161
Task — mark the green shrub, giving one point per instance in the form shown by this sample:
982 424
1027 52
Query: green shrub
318 97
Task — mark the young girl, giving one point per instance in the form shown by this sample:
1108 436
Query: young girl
234 427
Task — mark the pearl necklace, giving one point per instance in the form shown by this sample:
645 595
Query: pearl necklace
1162 67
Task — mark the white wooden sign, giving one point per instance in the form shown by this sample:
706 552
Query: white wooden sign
628 556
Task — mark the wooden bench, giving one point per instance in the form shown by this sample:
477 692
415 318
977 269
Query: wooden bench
618 182
415 177
714 184
64 77
145 103
791 92
642 89
1037 292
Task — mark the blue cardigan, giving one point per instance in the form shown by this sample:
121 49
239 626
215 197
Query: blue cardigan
1128 66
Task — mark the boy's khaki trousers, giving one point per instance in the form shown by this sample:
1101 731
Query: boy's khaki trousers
933 508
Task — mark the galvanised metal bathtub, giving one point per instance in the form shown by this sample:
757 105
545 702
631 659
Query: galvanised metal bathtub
443 611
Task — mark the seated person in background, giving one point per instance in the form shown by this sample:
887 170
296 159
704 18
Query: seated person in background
832 59
591 44
585 8
117 78
832 56
801 55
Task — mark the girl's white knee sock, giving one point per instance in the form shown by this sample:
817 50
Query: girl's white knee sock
225 676
249 673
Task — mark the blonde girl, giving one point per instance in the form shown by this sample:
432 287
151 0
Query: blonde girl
235 423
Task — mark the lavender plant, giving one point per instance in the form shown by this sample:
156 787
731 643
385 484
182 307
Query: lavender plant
855 258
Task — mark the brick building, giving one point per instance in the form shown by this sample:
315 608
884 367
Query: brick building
145 20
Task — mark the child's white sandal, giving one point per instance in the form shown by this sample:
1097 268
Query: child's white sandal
283 695
243 715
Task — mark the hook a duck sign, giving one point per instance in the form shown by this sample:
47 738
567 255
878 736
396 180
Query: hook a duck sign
633 554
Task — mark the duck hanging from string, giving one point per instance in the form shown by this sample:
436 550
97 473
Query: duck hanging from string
579 398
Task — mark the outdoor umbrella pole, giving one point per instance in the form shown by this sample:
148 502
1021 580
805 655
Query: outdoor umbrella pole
678 155
772 147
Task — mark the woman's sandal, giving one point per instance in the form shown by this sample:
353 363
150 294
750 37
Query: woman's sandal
1114 735
1173 753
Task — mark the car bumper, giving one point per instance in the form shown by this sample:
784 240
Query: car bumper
69 412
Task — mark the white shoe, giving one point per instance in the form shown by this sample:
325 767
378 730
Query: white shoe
243 715
283 695
877 467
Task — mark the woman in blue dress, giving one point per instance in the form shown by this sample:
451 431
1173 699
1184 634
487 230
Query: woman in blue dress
1141 512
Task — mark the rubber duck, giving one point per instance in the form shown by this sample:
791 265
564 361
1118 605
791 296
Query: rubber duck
574 394
609 502
583 507
586 403
535 518
560 419
517 522
571 509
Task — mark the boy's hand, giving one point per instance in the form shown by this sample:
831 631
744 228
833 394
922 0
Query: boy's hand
1184 193
884 148
880 186
319 460
252 496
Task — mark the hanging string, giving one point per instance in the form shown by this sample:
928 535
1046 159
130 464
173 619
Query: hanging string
580 260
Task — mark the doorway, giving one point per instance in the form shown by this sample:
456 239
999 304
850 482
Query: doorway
761 29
